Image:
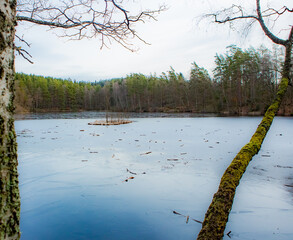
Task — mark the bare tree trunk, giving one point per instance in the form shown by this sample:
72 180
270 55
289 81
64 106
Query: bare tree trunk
9 193
217 214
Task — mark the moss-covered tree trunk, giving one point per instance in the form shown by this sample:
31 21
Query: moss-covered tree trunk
9 193
217 214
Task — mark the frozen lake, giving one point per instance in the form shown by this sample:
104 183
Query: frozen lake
124 182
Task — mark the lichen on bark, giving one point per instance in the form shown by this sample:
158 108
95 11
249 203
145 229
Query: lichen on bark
9 192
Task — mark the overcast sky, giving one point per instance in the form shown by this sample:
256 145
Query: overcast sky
176 40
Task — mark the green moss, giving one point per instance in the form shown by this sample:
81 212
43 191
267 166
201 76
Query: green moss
288 60
218 212
10 107
9 194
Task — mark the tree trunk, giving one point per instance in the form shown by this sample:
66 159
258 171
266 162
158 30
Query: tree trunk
217 214
9 193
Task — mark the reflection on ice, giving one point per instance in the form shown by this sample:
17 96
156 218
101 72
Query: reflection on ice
73 178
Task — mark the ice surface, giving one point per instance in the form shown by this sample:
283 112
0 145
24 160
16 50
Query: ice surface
73 178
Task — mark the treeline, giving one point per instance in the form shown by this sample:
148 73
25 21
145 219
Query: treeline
244 82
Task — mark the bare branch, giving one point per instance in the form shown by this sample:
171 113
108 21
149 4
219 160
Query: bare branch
124 11
86 19
22 40
272 11
230 19
24 54
267 32
235 13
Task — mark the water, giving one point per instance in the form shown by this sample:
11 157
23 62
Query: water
73 178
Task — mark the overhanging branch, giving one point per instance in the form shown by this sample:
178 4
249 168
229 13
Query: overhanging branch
86 19
235 13
267 32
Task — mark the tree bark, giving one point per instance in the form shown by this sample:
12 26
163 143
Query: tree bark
9 192
216 217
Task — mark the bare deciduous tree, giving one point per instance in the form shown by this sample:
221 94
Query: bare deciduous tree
217 214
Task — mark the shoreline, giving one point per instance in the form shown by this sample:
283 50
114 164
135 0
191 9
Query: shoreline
124 115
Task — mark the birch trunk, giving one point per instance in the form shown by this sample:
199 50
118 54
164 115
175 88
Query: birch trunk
9 193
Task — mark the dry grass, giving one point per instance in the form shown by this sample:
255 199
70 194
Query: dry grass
111 122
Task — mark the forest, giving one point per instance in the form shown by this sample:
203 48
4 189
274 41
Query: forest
244 82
